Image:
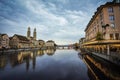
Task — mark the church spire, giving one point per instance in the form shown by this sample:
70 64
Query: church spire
28 32
34 34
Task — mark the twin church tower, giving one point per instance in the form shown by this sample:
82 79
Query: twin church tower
29 34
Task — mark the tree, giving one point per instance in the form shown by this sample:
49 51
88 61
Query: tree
76 45
99 36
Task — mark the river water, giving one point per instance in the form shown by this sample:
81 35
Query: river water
54 65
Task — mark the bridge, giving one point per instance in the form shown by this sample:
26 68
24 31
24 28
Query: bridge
64 47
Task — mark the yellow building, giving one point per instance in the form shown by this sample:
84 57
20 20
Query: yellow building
4 41
102 33
19 41
81 41
50 44
41 43
106 21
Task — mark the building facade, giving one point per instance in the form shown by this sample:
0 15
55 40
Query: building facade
4 41
106 22
50 44
19 41
102 34
41 43
81 41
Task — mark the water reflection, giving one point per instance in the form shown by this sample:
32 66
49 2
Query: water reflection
49 51
99 68
15 59
56 65
43 65
3 61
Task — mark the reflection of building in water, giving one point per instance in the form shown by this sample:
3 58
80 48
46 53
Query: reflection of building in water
3 61
50 51
23 57
34 59
101 67
40 52
27 63
19 58
91 75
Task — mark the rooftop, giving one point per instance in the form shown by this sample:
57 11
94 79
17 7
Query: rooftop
22 38
98 11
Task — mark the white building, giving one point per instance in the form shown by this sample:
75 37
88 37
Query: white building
50 44
4 41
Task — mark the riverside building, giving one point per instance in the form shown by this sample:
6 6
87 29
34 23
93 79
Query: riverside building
102 34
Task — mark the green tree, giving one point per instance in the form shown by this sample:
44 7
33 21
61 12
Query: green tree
99 36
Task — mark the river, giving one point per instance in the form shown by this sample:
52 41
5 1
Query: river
54 65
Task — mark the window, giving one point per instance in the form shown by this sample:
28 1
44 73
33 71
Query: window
110 9
117 36
111 17
111 37
101 22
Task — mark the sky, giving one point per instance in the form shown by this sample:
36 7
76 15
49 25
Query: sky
62 21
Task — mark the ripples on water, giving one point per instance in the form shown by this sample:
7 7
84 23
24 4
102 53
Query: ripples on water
50 65
43 65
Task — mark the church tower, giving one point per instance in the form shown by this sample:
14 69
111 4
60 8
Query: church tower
34 34
28 32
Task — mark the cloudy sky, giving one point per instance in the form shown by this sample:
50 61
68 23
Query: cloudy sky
63 21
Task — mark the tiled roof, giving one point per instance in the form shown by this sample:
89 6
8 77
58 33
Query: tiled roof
32 38
50 41
2 34
10 38
41 40
98 11
22 38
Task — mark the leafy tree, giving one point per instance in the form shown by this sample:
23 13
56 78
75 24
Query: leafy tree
99 36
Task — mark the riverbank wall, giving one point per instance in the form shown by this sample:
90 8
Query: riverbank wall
112 59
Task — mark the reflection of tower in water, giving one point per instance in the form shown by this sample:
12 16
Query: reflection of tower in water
50 52
3 61
27 63
34 59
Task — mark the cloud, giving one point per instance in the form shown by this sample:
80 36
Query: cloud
63 21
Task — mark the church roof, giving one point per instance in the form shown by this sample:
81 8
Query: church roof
10 38
2 34
22 38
